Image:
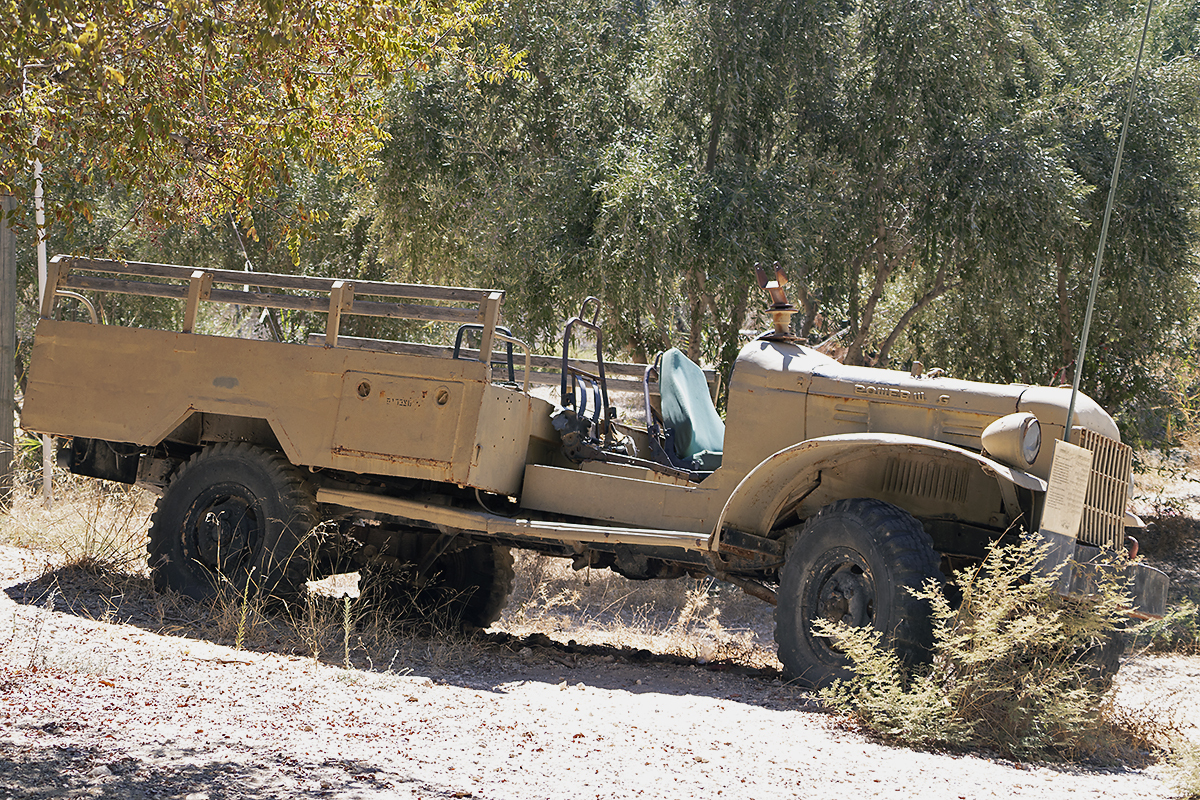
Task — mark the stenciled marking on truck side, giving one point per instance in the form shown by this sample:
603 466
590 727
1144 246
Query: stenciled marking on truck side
402 401
406 402
899 394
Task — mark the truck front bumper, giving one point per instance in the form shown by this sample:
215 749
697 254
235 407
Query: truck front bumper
1147 586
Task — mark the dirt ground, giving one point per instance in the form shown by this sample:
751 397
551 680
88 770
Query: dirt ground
96 702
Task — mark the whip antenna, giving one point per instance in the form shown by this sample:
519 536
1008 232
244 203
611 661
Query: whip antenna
1112 194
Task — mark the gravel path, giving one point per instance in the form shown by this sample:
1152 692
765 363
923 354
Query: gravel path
115 710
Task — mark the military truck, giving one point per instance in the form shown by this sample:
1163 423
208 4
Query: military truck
826 490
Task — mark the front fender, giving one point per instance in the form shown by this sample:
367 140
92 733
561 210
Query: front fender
924 477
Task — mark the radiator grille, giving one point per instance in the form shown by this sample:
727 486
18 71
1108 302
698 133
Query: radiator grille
1103 522
923 479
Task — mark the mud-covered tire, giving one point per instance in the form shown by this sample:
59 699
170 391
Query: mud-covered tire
466 588
853 561
236 518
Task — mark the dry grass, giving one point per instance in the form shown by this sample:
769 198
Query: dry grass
1183 769
95 536
92 524
693 618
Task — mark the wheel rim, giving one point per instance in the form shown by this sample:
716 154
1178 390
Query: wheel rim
223 527
843 590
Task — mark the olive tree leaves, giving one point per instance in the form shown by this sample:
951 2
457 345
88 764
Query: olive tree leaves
202 108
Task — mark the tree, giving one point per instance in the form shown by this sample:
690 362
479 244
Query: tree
653 158
1022 322
202 108
930 175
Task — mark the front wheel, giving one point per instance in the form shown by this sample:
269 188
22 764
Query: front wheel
235 516
853 562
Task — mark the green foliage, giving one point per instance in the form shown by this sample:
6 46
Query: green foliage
199 109
930 176
1009 669
1183 769
27 453
1177 632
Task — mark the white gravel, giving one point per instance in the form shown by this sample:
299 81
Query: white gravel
118 711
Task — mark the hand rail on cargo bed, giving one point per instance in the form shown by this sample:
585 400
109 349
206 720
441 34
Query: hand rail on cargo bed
622 376
197 285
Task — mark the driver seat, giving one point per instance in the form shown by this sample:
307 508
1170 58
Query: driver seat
695 433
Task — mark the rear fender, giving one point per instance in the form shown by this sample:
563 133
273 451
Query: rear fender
924 477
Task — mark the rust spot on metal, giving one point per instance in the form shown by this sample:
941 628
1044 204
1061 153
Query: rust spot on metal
390 458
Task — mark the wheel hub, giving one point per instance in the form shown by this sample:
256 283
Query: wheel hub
847 594
223 531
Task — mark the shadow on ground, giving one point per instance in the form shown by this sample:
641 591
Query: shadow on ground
48 765
484 660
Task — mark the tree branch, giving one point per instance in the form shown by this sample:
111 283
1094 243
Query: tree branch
939 288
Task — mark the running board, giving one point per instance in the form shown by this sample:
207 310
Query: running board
496 525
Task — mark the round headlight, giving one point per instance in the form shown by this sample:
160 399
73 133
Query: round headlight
1031 439
1015 439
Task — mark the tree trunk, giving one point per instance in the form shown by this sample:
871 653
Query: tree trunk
809 306
883 270
8 341
714 137
853 300
696 313
885 265
939 288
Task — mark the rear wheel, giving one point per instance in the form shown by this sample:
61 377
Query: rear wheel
853 562
235 516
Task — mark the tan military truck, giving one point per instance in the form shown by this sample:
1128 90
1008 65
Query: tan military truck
826 490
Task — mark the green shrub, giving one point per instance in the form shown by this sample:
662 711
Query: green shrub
1011 667
1177 632
1183 769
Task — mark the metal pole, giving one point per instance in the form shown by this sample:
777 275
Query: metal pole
1112 194
8 348
39 213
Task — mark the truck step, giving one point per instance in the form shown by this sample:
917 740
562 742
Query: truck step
496 525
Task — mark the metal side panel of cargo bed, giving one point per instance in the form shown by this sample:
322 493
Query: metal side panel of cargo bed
356 410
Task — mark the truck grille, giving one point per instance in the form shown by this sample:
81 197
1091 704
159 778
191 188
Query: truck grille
1103 522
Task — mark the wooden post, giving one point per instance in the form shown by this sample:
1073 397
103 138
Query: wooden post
199 288
8 348
487 339
341 298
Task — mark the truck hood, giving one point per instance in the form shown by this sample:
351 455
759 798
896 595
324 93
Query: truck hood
839 399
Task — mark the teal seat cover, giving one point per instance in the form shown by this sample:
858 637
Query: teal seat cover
687 408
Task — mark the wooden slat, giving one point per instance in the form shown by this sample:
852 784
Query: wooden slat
199 288
491 316
341 298
621 376
137 288
362 308
618 369
409 291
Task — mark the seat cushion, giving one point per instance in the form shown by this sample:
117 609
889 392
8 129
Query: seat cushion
687 409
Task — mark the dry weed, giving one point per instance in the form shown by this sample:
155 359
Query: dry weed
100 528
96 525
1183 768
698 619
